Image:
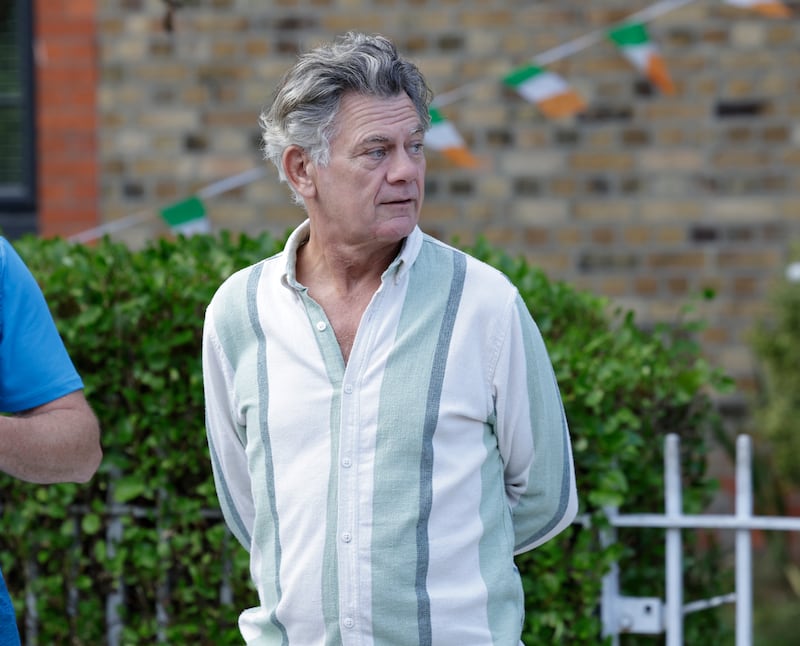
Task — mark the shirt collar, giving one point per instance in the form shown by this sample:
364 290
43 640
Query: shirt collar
396 270
408 254
296 240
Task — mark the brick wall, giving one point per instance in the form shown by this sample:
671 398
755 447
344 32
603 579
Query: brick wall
645 198
65 54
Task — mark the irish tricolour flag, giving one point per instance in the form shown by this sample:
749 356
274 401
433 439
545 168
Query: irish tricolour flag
444 137
770 8
547 90
634 43
187 217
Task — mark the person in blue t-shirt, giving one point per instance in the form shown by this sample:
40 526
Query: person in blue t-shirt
48 431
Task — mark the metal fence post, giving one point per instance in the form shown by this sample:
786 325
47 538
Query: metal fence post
744 554
609 602
674 541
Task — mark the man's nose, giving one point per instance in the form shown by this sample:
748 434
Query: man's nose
404 166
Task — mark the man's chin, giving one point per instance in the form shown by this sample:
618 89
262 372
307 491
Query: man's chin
398 227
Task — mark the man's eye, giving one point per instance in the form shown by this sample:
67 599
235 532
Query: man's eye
377 153
417 147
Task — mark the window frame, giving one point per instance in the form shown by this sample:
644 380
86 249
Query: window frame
18 200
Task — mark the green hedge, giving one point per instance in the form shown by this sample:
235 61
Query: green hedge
132 321
776 341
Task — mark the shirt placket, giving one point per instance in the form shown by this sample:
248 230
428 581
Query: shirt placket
347 535
353 573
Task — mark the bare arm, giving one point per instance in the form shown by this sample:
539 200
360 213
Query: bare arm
56 442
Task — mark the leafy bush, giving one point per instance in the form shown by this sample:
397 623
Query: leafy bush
147 528
776 427
776 342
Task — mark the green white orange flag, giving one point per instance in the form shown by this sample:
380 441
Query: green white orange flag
444 137
634 43
769 8
187 217
553 96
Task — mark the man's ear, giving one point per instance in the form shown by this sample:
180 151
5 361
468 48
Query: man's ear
296 165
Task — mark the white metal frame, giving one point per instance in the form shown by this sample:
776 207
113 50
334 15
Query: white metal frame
649 615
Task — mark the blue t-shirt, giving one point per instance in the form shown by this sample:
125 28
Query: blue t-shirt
34 365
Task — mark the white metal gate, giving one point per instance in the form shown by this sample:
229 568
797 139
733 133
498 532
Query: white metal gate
651 615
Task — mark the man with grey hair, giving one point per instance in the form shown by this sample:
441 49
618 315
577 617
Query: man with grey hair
384 423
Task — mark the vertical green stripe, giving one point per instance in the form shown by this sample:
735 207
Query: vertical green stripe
232 341
400 452
563 499
263 426
330 564
539 367
224 494
505 601
426 461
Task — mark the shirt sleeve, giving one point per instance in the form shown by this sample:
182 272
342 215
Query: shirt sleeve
34 365
532 435
226 447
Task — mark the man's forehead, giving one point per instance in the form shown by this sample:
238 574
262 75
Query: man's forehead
373 118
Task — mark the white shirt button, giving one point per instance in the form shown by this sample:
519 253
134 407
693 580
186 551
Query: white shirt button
348 622
321 326
348 388
347 463
347 537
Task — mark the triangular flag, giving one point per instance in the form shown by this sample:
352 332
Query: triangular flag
635 44
444 137
547 90
187 217
769 8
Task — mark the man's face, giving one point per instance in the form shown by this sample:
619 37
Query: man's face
372 188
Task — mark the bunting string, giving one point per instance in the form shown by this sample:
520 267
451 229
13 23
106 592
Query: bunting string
533 81
210 190
567 49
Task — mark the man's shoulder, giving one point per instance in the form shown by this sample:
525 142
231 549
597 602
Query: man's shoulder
478 272
7 252
236 285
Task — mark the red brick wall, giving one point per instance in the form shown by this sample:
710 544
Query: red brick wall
65 47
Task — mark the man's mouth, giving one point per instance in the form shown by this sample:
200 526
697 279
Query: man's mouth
407 200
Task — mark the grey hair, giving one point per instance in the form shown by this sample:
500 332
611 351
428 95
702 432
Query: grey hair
305 105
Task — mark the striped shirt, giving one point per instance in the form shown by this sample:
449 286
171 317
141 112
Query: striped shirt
382 500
